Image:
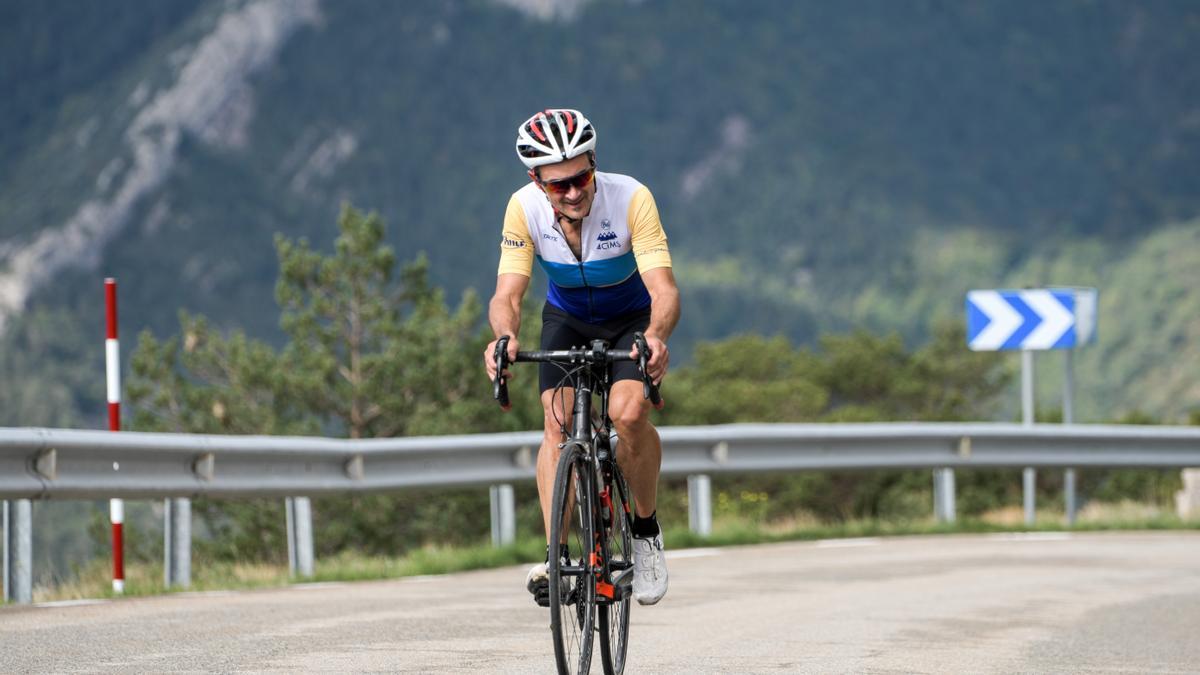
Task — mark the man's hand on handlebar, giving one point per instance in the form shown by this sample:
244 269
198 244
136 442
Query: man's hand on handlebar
489 356
500 382
643 354
660 357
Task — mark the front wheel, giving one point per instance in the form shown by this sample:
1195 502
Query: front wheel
572 585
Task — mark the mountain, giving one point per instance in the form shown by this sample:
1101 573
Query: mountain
820 166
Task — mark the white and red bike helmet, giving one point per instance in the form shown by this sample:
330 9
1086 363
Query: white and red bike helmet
554 135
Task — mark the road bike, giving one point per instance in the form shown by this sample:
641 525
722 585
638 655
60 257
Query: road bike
591 580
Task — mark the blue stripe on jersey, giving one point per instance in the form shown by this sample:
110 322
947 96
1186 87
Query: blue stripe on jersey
606 272
597 304
561 274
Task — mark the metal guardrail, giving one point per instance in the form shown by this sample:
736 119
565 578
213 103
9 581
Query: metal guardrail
68 464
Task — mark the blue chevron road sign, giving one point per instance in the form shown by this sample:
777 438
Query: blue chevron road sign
1051 318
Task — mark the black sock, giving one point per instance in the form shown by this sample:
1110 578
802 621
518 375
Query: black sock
645 527
563 552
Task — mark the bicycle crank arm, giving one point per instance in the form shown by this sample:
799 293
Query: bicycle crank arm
622 584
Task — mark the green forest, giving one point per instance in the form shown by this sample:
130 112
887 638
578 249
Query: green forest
821 168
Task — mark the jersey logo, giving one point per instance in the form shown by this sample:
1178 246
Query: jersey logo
605 223
511 243
607 240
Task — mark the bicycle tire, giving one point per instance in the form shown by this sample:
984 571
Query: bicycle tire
617 529
572 586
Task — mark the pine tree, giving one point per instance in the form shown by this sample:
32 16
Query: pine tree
376 354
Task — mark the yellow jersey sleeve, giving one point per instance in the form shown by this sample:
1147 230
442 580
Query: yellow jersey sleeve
516 246
646 231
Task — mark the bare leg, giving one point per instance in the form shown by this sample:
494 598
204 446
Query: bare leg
639 451
547 461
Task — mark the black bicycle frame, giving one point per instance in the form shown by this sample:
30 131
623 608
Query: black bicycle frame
595 377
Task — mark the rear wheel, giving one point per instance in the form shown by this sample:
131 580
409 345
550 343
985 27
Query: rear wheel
572 586
616 513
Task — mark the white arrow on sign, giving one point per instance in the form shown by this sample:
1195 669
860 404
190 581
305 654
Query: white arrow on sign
1003 320
1056 320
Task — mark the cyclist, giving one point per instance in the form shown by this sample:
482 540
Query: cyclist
599 239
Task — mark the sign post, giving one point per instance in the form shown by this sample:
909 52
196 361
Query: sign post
1069 502
1029 474
1085 319
1034 320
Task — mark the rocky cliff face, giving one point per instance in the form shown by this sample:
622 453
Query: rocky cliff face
211 98
547 10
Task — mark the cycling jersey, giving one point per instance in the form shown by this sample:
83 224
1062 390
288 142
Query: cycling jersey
620 238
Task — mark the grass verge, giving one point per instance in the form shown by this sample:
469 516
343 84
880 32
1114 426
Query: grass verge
94 581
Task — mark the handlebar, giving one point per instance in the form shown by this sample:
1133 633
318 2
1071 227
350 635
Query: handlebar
596 354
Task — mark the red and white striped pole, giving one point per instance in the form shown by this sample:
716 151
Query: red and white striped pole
112 363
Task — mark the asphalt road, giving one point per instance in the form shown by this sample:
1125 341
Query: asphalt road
1079 603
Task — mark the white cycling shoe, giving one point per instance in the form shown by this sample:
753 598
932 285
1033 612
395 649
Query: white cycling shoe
649 570
538 583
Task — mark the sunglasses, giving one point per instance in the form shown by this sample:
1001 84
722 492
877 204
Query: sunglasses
563 185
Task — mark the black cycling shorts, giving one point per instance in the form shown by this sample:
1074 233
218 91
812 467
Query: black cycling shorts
563 331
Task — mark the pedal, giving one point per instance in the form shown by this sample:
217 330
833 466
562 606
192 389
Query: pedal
541 594
622 584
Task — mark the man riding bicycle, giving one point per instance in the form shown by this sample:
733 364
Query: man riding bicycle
599 239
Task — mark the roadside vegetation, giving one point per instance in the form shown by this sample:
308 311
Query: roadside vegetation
374 350
209 573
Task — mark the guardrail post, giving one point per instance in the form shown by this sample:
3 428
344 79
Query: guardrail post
5 551
700 504
168 542
943 495
18 551
177 543
300 539
1029 479
937 494
1187 500
1069 492
504 521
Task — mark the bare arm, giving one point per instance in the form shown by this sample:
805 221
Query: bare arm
504 315
664 315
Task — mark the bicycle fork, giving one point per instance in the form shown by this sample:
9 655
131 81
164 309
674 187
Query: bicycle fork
605 507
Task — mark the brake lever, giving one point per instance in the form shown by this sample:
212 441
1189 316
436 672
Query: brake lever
649 389
500 385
